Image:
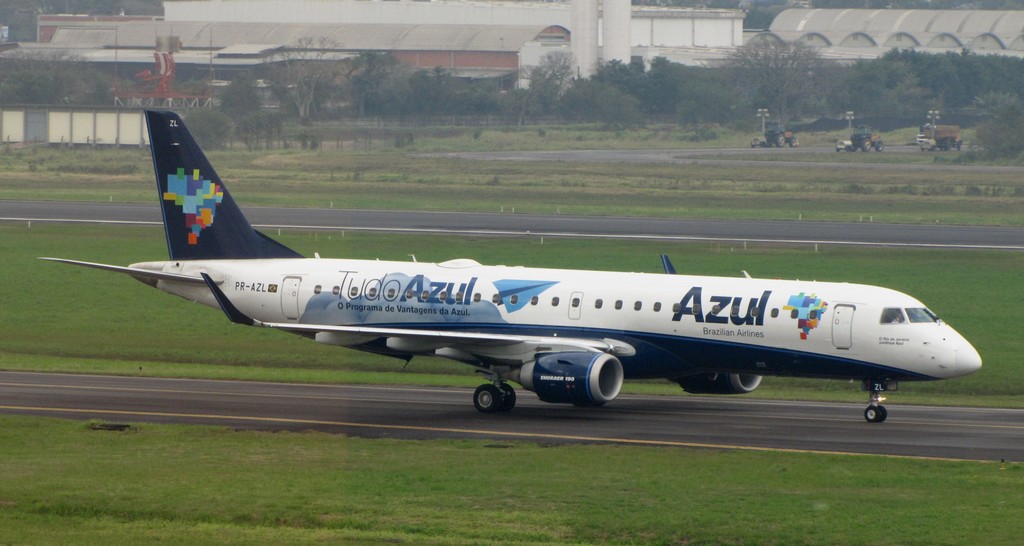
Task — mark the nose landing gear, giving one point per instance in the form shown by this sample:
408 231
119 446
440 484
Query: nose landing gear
876 412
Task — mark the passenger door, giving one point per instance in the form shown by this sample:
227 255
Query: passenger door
842 326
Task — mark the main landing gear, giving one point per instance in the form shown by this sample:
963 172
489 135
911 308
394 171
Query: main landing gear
876 412
494 397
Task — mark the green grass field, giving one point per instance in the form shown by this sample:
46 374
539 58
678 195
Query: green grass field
396 180
63 483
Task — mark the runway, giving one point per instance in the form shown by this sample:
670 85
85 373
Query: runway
427 413
495 224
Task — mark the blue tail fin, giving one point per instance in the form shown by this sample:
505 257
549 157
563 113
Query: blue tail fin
201 219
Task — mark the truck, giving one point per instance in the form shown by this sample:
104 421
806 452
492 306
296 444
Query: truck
863 138
939 137
776 134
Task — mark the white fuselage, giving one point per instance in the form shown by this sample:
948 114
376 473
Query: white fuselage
678 324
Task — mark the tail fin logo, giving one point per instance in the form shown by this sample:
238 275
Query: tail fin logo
198 199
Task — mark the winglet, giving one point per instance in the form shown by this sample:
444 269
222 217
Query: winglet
667 264
229 308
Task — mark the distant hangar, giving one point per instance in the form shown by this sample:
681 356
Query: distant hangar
864 33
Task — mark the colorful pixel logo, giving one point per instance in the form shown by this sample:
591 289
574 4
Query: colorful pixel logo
808 311
198 199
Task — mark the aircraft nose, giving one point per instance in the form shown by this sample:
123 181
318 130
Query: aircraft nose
967 359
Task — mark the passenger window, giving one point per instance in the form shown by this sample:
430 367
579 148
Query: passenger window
893 315
371 293
317 289
618 304
554 301
353 292
514 299
458 297
495 299
425 295
336 290
476 297
775 312
657 306
676 307
391 294
443 296
637 306
575 302
409 294
696 309
534 300
598 303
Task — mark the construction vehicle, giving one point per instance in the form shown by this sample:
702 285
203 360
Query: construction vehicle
863 138
776 134
939 137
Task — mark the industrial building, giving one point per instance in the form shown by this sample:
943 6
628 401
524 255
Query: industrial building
867 34
469 39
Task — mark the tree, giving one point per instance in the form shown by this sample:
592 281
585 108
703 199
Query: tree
240 97
209 127
51 78
548 81
1002 135
780 75
882 88
306 75
590 100
377 84
708 95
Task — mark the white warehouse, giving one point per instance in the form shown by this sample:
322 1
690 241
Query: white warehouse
602 30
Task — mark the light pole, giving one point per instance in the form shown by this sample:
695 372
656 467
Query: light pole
933 115
849 120
763 114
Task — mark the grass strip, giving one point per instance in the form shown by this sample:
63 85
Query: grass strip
65 483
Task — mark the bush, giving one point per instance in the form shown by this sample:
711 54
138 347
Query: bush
210 128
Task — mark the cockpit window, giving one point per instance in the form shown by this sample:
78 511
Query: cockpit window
920 314
893 315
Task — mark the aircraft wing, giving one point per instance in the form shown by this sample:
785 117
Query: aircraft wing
451 343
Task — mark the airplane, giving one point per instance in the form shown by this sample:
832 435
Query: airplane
568 336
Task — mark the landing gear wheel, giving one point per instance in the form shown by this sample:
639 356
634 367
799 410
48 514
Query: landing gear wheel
509 397
488 398
875 414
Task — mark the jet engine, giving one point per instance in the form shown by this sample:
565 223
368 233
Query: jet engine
582 379
719 383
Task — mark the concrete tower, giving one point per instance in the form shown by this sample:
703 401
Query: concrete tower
615 21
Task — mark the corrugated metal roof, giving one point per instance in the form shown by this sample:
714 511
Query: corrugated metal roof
141 34
925 26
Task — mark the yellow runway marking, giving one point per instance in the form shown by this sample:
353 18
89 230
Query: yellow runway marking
480 432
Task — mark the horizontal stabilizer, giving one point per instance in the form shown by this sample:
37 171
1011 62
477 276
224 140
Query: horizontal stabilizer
145 275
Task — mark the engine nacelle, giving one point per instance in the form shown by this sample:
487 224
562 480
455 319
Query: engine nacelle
719 383
583 379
